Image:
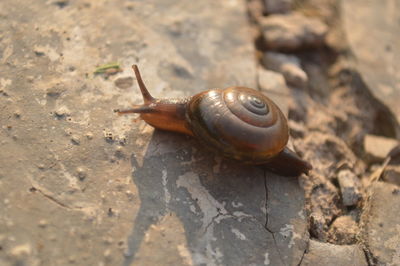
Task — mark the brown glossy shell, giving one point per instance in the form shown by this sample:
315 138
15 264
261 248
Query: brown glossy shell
241 123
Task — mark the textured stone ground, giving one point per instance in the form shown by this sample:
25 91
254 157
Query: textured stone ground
81 185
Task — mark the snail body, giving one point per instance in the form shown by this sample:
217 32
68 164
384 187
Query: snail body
238 122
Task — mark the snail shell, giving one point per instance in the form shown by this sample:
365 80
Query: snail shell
237 122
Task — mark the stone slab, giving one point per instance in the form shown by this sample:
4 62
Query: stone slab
373 36
80 185
381 224
331 255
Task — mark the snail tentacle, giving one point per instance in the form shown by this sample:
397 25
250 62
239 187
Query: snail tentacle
166 114
148 106
145 92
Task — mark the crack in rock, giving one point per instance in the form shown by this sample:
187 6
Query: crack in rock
266 219
302 257
55 200
88 210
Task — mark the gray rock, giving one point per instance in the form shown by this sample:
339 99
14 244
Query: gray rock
289 66
226 225
278 6
332 255
318 225
324 202
391 174
350 187
128 194
286 218
344 230
381 230
378 59
271 81
124 83
273 85
317 80
377 148
292 31
255 9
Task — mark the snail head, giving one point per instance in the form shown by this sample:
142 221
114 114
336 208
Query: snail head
166 114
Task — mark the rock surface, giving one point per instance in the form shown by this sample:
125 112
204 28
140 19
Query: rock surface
332 255
391 174
80 185
378 59
381 224
277 6
273 85
350 187
344 230
292 31
377 148
289 66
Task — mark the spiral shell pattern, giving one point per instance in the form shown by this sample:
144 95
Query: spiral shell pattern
241 123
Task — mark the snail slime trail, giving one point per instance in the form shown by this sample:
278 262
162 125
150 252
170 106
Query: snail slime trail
218 119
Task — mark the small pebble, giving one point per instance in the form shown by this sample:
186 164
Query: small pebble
127 252
129 6
108 240
108 136
255 9
75 140
392 174
271 81
43 223
113 159
68 132
297 129
278 6
129 195
55 91
89 135
119 152
377 148
81 173
289 66
107 253
349 187
62 112
17 114
124 83
21 250
344 230
292 31
39 51
71 259
30 79
318 225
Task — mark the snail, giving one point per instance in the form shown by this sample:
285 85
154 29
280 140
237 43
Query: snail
237 122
